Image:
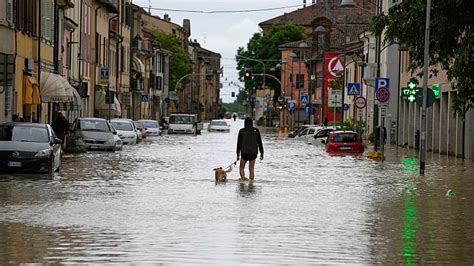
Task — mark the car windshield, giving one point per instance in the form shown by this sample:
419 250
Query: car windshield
345 137
181 120
94 125
150 124
138 124
218 123
24 134
123 126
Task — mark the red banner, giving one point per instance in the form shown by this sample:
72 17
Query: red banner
333 66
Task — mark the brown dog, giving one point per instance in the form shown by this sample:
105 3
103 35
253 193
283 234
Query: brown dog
220 174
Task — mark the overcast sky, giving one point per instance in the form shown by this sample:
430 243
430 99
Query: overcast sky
222 33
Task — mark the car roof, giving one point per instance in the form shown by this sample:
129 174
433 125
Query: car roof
92 118
183 114
344 131
24 124
121 120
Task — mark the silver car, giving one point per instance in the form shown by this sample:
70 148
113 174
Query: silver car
95 133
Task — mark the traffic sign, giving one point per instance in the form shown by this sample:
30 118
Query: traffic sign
304 99
292 104
345 106
353 89
360 102
307 109
144 98
429 101
104 75
382 83
382 94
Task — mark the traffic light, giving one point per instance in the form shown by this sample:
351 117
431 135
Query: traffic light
233 94
247 75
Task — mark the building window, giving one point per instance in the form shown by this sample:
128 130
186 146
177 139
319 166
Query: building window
299 81
6 80
47 20
25 16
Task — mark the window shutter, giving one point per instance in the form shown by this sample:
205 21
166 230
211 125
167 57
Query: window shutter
9 11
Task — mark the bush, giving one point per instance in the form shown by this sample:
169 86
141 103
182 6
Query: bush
371 137
72 144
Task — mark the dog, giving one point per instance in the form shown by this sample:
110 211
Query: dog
220 173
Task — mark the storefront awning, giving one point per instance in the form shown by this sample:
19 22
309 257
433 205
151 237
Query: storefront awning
101 106
31 93
55 88
138 66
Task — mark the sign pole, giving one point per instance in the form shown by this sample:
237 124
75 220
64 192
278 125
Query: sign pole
335 104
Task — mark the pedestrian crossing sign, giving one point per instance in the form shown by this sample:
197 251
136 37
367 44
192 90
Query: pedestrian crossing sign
353 89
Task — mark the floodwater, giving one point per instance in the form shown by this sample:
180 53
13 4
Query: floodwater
157 202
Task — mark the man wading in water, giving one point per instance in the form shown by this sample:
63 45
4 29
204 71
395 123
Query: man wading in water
249 143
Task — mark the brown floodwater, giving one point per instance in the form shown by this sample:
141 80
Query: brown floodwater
157 202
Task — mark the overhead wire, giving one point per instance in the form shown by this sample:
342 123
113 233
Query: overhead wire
220 11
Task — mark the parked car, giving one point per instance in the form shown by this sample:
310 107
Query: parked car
184 124
218 126
141 132
298 130
118 140
29 147
95 133
308 132
344 142
152 127
321 134
126 130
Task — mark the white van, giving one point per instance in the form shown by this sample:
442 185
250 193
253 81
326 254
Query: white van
184 124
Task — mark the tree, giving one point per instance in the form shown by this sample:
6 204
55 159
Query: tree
180 61
266 46
451 42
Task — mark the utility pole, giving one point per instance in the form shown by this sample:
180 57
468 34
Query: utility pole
425 89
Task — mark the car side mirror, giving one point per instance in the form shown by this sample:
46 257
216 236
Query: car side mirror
57 141
115 132
323 141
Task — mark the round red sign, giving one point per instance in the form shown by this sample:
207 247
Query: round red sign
360 102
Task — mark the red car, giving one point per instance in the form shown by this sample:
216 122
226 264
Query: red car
344 142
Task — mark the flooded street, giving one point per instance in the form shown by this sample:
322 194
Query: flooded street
158 202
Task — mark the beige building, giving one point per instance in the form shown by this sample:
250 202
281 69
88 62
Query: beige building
7 57
104 91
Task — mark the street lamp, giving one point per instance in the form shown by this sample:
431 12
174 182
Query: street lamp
321 30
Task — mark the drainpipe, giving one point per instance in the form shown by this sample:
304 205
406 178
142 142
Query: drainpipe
40 111
95 59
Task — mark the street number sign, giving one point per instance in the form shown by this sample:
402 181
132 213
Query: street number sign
360 102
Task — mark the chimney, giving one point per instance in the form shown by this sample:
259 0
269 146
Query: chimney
187 26
167 17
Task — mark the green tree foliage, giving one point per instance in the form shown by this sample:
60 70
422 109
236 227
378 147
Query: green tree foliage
265 46
180 62
451 42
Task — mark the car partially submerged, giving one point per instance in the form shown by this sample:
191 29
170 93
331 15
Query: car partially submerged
152 127
218 126
184 124
344 142
95 133
29 147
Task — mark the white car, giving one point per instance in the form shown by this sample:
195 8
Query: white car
118 140
218 126
126 130
152 127
184 124
320 135
308 132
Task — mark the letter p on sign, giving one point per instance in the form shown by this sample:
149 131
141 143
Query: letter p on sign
382 83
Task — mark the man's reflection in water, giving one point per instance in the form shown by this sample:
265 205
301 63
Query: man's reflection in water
246 189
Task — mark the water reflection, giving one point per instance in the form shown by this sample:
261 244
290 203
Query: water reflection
157 202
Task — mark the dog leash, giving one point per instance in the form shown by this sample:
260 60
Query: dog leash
234 163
